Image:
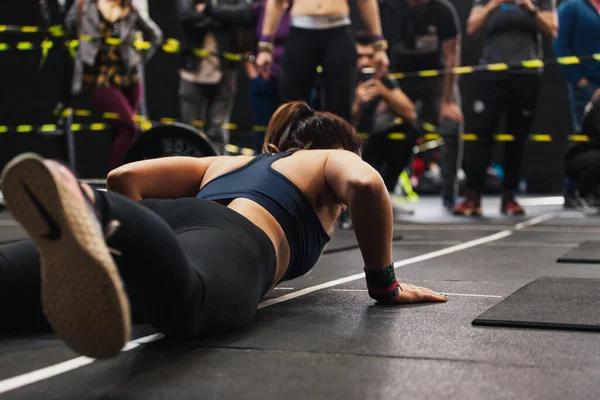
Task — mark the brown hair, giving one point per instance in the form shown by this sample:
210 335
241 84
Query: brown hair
296 126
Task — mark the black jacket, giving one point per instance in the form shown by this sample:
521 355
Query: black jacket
225 18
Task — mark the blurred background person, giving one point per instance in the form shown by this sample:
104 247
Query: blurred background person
512 32
377 106
582 159
111 72
265 95
425 35
207 85
320 35
578 35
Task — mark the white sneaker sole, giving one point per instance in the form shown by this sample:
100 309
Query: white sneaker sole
82 293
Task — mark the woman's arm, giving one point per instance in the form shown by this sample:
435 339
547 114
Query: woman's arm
72 17
161 178
360 186
398 101
479 16
151 32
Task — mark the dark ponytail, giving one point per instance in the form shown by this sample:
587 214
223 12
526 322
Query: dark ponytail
296 126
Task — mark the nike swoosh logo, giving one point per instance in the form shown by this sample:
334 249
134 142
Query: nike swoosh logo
53 227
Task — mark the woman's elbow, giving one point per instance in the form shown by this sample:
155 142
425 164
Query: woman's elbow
368 183
118 178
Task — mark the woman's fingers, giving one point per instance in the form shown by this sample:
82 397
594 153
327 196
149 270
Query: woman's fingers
416 294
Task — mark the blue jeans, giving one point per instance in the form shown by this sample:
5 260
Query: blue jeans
578 99
264 100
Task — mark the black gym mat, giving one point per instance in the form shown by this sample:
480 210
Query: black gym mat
588 252
345 239
549 303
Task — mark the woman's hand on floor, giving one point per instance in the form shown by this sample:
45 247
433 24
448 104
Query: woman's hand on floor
416 294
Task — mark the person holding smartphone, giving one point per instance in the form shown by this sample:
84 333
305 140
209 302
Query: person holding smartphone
512 33
377 106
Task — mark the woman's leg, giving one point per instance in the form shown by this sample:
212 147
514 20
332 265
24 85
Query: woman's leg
189 267
300 61
20 300
134 95
340 72
20 286
114 100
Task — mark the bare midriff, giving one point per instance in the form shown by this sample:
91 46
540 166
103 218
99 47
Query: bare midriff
269 225
320 7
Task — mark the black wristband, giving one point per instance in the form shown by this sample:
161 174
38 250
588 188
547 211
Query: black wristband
534 12
382 285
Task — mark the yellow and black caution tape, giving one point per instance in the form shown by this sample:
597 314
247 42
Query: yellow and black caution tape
432 140
498 67
145 124
52 129
173 46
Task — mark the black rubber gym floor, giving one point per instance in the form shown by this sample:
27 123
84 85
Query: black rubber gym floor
322 337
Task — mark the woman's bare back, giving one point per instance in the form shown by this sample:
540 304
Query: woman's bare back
305 169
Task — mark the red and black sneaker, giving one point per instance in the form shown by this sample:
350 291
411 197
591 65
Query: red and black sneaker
470 206
510 206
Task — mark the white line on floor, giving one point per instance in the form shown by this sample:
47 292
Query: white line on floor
450 227
57 369
417 242
565 229
533 244
442 292
471 295
283 288
61 368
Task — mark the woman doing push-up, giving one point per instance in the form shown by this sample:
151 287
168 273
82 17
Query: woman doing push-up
191 245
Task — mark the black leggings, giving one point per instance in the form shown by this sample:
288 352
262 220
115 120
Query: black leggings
191 267
334 49
517 94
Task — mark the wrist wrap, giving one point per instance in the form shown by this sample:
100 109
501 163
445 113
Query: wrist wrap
382 285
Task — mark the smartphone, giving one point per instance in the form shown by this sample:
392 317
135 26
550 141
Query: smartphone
366 74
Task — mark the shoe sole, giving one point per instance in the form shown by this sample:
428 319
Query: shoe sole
82 293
